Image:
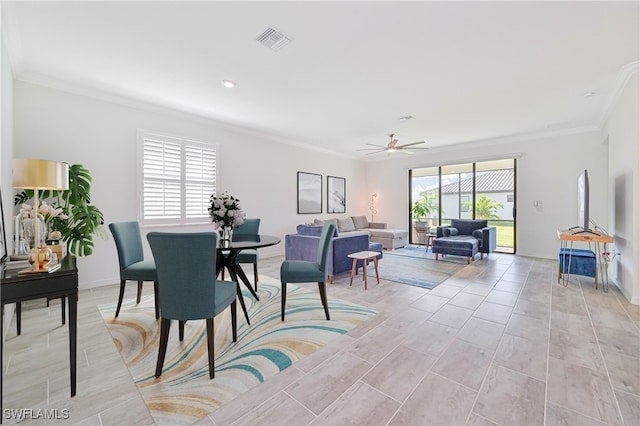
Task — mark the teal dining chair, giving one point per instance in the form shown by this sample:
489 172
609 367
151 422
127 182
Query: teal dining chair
249 227
302 271
188 288
133 266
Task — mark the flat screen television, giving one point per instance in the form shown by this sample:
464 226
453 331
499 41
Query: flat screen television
583 203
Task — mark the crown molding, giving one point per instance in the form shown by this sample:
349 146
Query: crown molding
624 75
160 108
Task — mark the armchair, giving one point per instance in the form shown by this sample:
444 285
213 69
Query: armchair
304 246
465 237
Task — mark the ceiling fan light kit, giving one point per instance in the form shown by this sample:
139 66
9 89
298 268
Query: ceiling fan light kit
393 146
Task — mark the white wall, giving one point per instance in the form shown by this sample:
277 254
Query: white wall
624 189
6 157
547 170
101 135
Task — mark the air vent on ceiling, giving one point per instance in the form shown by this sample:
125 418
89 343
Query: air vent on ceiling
273 39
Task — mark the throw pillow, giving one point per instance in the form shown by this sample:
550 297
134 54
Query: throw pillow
450 232
346 225
360 222
334 221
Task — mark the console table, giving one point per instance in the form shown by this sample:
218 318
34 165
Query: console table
61 283
568 237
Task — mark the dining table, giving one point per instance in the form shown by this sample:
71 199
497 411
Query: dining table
227 253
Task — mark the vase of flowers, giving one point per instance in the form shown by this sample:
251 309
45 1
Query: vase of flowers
225 212
46 213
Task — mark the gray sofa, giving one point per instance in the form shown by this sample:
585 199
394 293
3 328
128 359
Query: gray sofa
465 237
377 232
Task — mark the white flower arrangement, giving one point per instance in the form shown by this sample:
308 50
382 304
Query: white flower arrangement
225 211
47 211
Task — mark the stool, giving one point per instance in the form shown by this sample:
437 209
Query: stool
583 262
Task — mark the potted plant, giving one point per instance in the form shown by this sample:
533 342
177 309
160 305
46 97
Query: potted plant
420 211
77 220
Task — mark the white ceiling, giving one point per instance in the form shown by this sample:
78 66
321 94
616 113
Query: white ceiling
467 71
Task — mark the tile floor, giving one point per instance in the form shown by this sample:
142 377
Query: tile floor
499 343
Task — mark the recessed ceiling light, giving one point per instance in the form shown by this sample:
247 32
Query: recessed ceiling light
228 84
589 94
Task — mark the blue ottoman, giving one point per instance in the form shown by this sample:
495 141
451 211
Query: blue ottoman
458 245
583 262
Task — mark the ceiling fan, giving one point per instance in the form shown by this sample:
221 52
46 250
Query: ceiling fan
393 146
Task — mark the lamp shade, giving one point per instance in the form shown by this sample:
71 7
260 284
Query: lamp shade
40 174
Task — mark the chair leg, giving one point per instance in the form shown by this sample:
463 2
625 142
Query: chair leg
120 297
181 330
255 275
165 324
283 299
62 308
234 321
139 296
210 346
18 317
323 296
155 298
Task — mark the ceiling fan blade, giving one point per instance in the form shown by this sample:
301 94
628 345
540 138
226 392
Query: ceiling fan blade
377 146
404 151
409 144
371 149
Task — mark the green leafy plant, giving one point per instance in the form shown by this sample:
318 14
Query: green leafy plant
423 207
85 221
486 207
420 209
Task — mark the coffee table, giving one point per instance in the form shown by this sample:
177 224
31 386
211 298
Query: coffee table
364 256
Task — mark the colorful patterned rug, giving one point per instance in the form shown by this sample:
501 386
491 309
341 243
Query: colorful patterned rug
184 393
413 265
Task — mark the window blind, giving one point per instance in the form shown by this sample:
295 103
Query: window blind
178 177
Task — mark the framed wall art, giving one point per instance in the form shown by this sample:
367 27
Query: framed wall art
336 194
309 193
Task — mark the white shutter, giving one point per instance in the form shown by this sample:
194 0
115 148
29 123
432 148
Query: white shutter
200 179
178 177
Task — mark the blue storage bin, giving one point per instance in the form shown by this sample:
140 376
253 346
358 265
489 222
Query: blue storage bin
583 262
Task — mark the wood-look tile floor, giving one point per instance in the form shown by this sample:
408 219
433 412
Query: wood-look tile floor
499 343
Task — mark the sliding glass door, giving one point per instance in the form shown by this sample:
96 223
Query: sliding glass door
482 190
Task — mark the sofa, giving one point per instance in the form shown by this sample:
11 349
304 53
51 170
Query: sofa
377 231
465 237
304 246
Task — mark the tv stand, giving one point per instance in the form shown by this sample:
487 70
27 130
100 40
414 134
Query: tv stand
567 237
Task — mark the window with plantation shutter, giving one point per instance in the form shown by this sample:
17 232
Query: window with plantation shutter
177 178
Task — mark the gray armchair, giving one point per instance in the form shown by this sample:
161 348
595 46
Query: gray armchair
465 237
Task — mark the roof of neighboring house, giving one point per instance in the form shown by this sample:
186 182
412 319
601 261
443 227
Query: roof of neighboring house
494 181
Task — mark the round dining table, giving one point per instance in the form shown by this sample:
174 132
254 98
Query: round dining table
227 252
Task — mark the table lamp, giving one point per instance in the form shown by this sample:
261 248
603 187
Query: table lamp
39 175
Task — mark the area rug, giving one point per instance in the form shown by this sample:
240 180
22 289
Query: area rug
413 265
184 393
